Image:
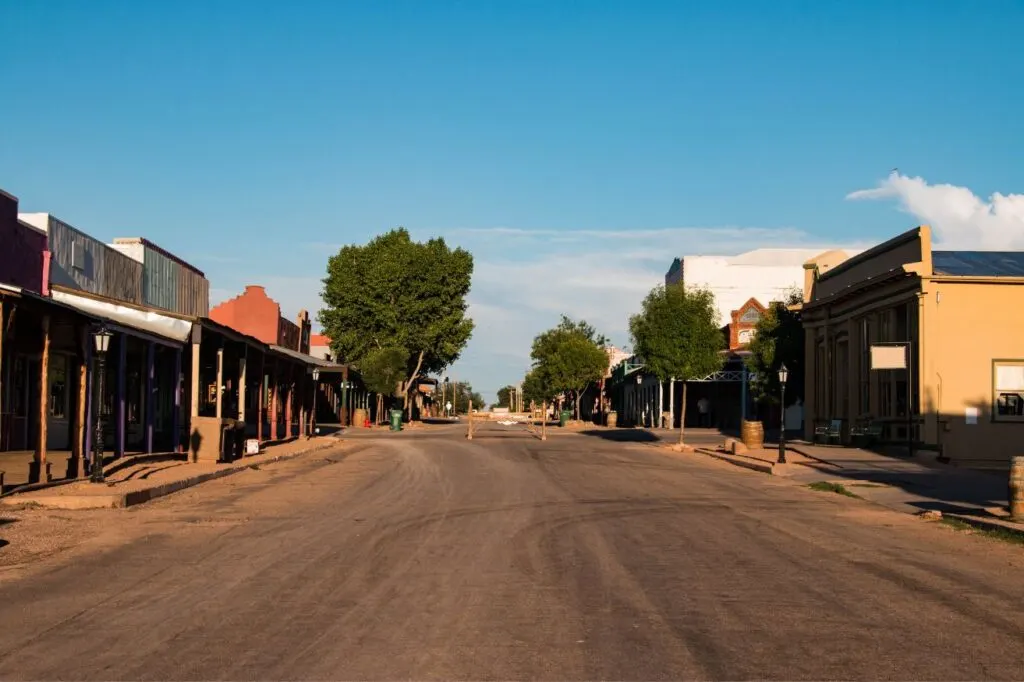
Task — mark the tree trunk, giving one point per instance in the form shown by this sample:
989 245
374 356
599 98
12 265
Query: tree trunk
682 415
577 410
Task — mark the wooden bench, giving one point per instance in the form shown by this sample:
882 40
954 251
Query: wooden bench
830 431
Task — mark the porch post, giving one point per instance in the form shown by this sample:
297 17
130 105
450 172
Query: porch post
90 380
242 366
38 469
300 403
274 402
220 381
176 413
289 399
150 387
661 402
122 367
194 393
260 396
3 384
78 443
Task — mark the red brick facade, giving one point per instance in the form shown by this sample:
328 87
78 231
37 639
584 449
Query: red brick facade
744 321
256 314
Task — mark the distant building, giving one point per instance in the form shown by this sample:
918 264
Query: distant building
254 313
764 274
743 324
320 346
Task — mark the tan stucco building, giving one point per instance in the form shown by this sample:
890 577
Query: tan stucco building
959 310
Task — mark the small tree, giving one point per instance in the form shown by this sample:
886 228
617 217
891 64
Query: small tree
504 397
569 358
382 371
677 336
778 340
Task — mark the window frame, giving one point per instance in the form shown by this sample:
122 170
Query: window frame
994 411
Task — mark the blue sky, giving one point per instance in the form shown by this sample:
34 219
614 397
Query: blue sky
577 146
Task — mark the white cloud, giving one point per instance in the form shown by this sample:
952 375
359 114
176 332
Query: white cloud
959 218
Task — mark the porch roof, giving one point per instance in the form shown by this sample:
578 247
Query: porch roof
325 366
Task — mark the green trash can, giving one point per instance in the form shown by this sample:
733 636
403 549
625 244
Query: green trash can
396 420
564 417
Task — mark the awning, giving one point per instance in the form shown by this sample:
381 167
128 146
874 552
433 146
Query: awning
165 326
325 366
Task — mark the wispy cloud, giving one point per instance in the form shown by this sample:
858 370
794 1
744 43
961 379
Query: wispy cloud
959 218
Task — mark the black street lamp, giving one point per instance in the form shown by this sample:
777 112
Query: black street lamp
316 387
101 339
783 375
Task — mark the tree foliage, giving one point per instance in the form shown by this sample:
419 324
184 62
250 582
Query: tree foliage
676 335
459 394
778 339
383 369
397 293
567 359
504 397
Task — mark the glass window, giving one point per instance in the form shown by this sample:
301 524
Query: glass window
1008 391
58 379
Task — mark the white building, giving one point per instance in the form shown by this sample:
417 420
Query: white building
765 274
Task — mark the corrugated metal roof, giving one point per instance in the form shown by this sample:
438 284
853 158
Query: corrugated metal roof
978 263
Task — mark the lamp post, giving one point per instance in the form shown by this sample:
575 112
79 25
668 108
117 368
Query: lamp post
101 340
316 387
783 375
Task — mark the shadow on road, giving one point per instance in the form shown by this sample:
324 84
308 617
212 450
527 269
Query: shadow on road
623 435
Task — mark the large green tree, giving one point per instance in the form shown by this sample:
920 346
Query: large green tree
676 335
569 358
778 340
504 396
397 293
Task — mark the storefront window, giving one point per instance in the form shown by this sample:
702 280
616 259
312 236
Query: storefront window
58 379
1008 390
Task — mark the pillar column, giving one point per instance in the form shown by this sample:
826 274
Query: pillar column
242 379
661 402
90 400
37 472
220 382
121 404
302 405
3 384
150 388
274 402
194 395
289 400
77 469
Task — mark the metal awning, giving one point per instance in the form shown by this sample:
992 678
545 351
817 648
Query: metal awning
325 366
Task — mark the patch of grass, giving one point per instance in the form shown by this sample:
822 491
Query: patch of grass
829 487
995 534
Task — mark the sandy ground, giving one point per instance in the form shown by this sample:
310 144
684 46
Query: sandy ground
424 556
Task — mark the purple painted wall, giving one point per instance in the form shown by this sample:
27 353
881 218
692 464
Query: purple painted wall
24 258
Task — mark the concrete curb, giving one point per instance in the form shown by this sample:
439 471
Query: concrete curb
986 524
134 497
746 463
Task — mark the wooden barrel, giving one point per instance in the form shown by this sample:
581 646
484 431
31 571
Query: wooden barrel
752 434
1017 487
359 418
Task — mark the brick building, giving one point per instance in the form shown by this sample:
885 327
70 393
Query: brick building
254 313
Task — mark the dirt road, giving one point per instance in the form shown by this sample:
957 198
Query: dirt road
424 556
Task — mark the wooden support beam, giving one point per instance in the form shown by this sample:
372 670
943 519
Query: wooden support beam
194 378
3 384
275 400
78 444
121 407
242 367
220 382
38 469
150 405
